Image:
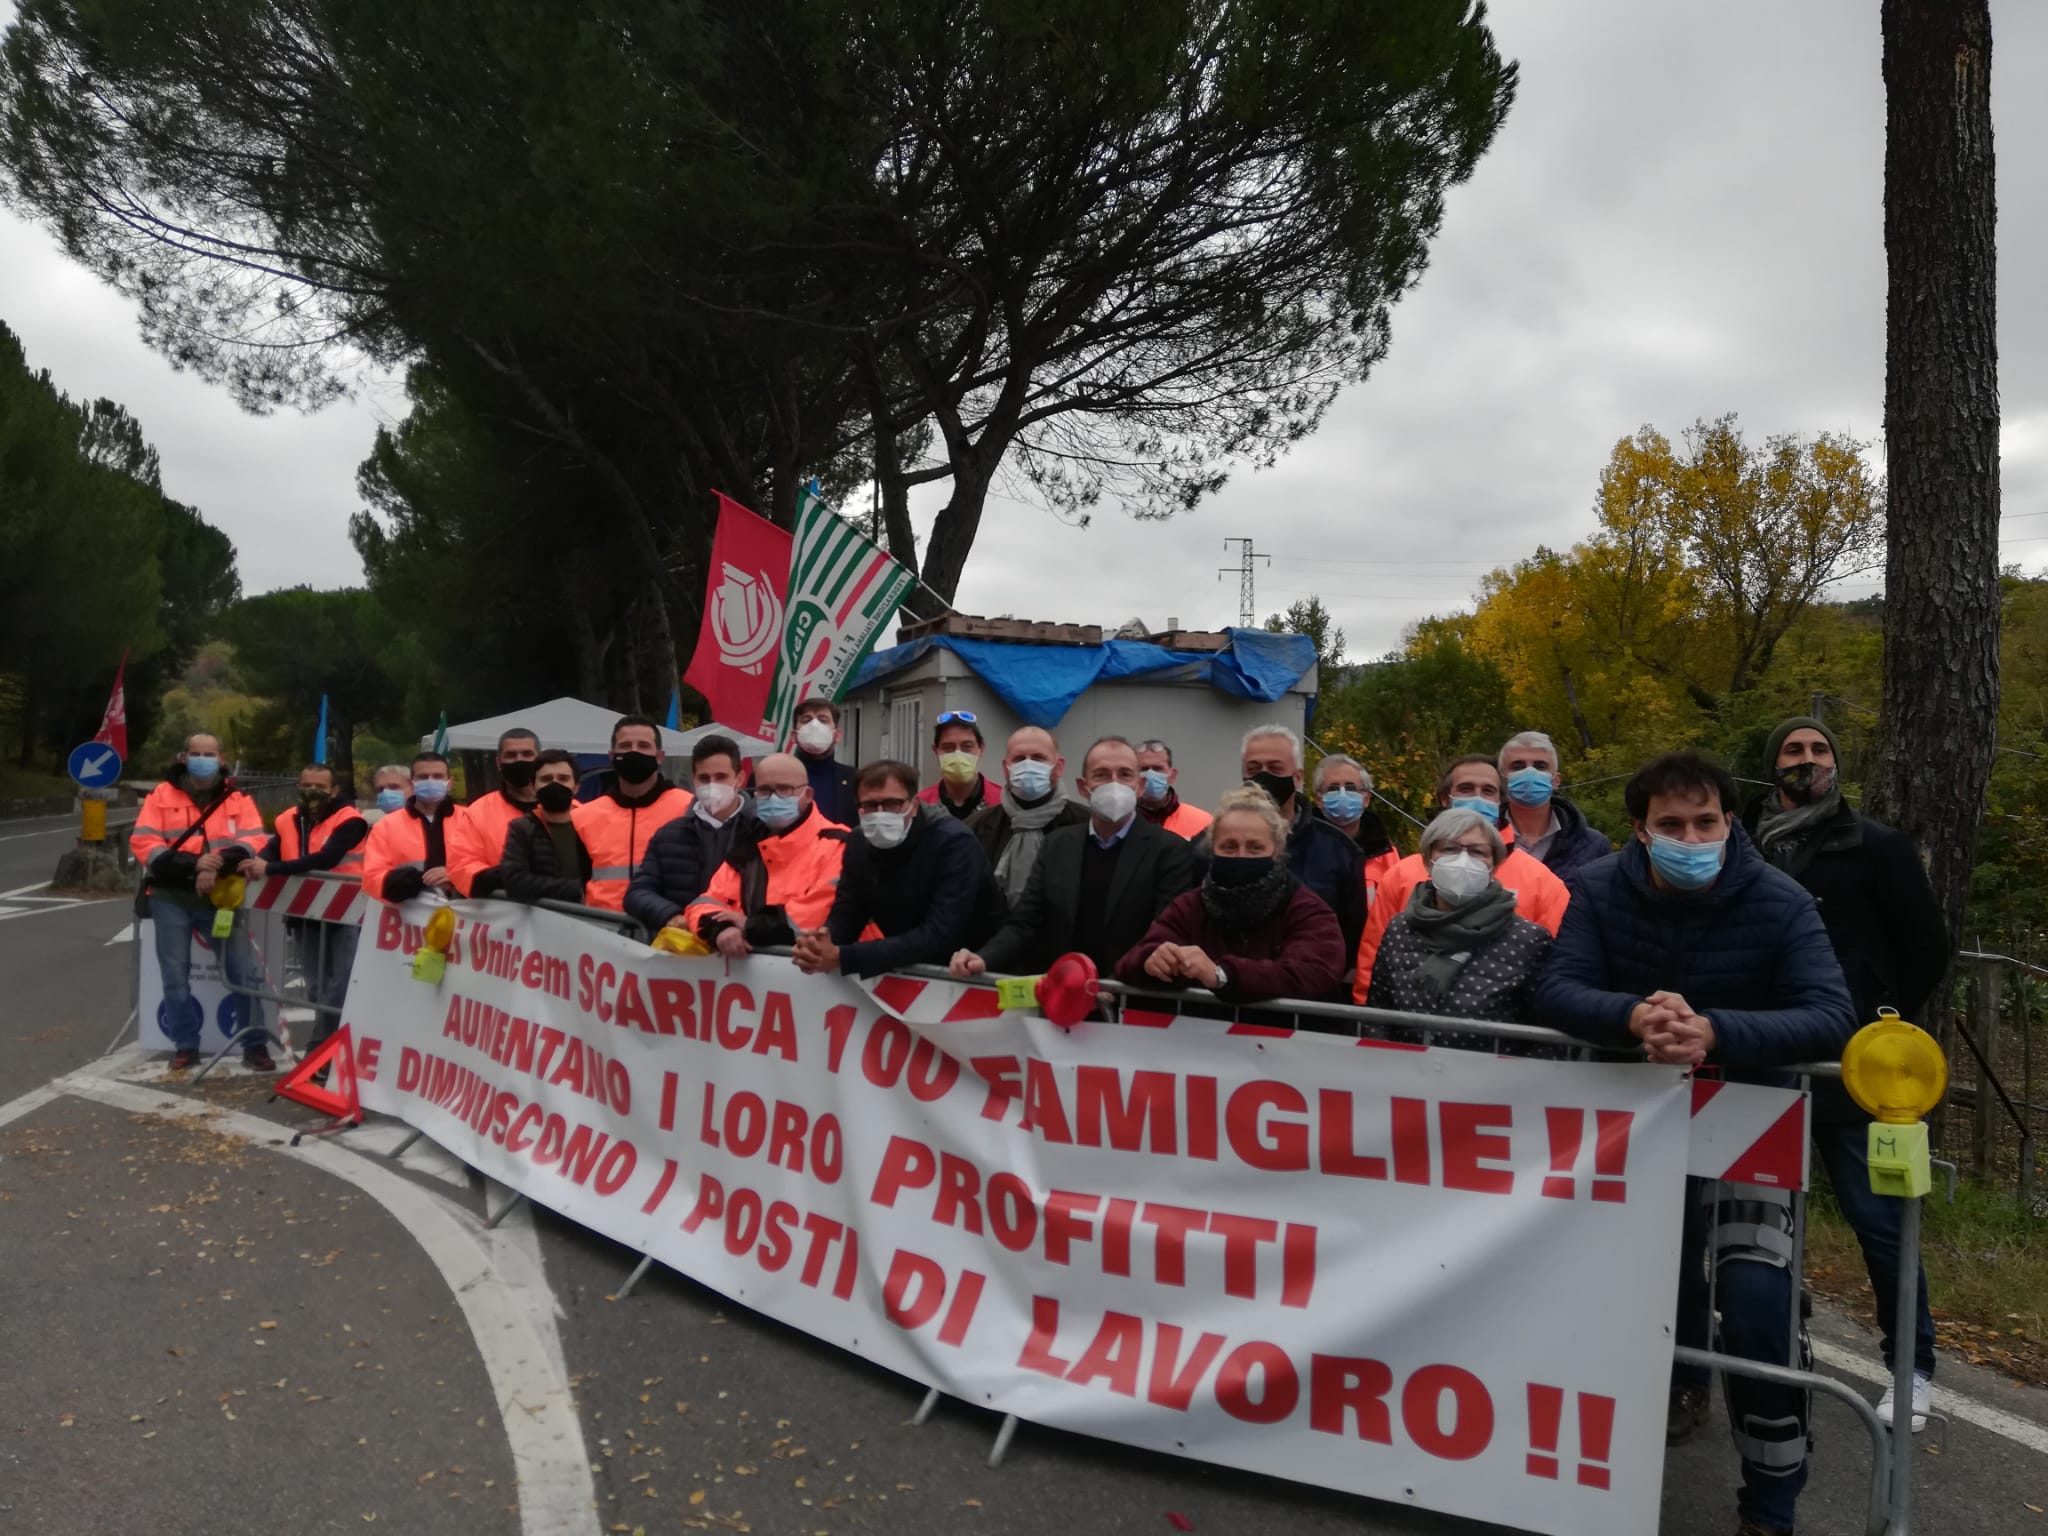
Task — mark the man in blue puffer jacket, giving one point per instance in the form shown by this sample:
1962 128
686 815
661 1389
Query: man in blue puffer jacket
1689 943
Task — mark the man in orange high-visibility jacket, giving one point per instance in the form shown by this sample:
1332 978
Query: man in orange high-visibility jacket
408 850
1159 800
637 803
193 828
321 836
1473 784
783 869
477 844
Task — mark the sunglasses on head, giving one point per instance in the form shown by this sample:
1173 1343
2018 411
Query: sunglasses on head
958 716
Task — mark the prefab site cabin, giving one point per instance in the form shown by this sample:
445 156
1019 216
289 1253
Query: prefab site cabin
1197 691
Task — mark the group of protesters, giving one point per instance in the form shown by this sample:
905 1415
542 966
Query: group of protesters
1743 937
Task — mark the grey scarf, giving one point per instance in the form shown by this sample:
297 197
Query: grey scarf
1452 936
1027 836
1790 835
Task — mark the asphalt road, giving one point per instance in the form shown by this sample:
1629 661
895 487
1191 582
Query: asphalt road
204 1330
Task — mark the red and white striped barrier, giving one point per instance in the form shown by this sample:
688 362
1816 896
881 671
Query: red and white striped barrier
1747 1134
309 897
1742 1133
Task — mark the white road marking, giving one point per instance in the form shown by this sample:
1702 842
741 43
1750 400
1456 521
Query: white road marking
508 1313
125 936
27 1104
69 829
1966 1409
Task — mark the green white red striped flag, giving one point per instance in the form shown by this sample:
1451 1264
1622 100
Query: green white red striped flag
842 590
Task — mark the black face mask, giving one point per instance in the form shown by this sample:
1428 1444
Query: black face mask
1279 786
518 775
314 800
1228 872
555 798
1797 781
635 766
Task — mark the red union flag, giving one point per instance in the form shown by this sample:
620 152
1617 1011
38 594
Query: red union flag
735 659
113 731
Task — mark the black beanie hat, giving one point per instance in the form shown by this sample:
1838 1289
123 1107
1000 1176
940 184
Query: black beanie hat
1786 728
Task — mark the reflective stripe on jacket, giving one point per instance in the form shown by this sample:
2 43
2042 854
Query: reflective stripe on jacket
617 835
170 810
802 873
400 840
350 865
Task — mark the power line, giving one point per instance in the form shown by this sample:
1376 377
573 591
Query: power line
1247 600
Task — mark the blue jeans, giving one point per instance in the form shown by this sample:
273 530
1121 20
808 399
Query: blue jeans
1755 1299
184 1020
326 954
1845 1153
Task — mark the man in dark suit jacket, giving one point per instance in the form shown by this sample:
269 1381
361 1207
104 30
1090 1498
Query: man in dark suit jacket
1097 887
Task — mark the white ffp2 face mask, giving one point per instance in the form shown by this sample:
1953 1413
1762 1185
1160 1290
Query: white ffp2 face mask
1113 802
1458 877
815 737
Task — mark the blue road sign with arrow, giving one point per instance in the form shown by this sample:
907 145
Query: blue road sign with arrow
94 765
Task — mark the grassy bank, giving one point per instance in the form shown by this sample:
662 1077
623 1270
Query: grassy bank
1987 1274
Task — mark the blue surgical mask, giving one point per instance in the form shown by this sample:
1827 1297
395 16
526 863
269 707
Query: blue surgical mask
430 791
1156 784
390 799
1530 786
202 768
1031 779
779 811
1486 808
1687 866
1343 804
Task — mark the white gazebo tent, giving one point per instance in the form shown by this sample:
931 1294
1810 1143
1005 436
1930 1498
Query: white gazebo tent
574 726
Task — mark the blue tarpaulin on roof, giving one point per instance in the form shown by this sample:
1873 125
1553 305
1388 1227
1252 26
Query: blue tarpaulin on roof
1040 682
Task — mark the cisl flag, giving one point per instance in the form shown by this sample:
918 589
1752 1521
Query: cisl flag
735 658
113 731
842 590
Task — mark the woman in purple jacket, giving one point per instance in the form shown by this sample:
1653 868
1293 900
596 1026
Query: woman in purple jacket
1250 931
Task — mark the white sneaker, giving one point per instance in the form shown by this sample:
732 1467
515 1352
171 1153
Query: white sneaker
1923 1400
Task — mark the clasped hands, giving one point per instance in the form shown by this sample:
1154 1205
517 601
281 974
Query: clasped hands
1181 962
1670 1031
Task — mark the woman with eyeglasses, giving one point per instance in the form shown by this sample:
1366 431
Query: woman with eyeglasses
913 887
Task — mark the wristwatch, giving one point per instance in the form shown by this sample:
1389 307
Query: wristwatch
1222 980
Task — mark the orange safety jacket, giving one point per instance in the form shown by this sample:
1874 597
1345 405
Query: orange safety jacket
1376 870
170 810
400 839
616 834
1184 821
802 876
480 843
1539 896
351 865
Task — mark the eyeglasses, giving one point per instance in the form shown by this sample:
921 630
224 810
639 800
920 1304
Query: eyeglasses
887 807
957 716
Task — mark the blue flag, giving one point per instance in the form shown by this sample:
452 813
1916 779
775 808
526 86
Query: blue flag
675 709
320 737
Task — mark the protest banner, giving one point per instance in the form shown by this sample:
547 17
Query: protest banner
1433 1277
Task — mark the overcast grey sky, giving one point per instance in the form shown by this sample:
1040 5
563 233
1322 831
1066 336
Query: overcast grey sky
1682 217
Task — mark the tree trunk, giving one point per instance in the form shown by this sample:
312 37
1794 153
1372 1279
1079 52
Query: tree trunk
945 552
1571 693
342 759
1941 611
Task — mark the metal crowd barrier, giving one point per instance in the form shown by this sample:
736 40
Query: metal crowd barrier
1890 1500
